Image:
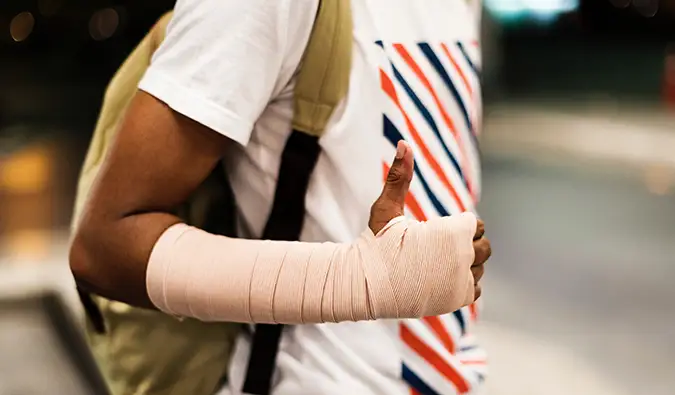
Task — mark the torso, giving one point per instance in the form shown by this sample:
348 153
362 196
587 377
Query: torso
413 77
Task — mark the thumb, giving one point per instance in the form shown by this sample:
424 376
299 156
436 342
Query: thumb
399 176
391 202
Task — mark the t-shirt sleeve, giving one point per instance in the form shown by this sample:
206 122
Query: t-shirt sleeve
477 10
222 61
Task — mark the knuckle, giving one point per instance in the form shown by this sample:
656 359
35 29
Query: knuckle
394 176
480 231
478 271
478 291
478 246
483 247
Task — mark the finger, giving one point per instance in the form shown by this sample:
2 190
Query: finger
391 202
483 250
399 176
480 230
478 271
477 292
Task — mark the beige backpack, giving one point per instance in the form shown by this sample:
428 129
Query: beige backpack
144 352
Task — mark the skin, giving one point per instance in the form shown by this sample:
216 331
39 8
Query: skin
157 160
391 204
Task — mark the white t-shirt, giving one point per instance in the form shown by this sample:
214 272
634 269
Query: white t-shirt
230 65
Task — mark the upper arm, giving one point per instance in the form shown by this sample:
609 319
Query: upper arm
156 161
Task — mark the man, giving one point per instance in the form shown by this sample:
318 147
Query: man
220 86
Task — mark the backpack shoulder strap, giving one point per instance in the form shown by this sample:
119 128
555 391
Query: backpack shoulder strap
323 78
118 95
158 32
322 83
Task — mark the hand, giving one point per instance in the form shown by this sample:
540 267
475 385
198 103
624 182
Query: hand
483 250
391 204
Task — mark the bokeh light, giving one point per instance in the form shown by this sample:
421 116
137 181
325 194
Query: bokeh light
103 24
21 26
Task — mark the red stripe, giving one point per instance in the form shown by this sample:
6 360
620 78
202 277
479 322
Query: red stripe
430 356
465 80
467 84
414 392
414 207
446 118
473 362
410 201
389 89
473 309
437 326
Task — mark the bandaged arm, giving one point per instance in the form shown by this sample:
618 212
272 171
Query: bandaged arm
409 269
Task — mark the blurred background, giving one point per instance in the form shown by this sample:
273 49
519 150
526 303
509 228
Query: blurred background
579 175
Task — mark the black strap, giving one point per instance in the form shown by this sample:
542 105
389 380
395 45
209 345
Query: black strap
284 223
91 311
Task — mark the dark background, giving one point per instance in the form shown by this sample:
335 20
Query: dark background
54 78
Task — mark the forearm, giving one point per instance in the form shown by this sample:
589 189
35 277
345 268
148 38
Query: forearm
145 261
215 278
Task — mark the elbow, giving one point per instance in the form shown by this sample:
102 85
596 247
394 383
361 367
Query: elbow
81 266
87 271
94 264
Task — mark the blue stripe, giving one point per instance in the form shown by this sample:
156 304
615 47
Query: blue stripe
430 120
415 382
436 63
460 319
467 348
394 136
468 59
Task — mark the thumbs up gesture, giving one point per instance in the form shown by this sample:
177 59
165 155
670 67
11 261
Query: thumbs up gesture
391 204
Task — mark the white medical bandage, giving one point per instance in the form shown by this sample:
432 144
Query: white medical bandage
410 269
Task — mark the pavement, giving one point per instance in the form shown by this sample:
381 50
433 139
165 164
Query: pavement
578 296
579 207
